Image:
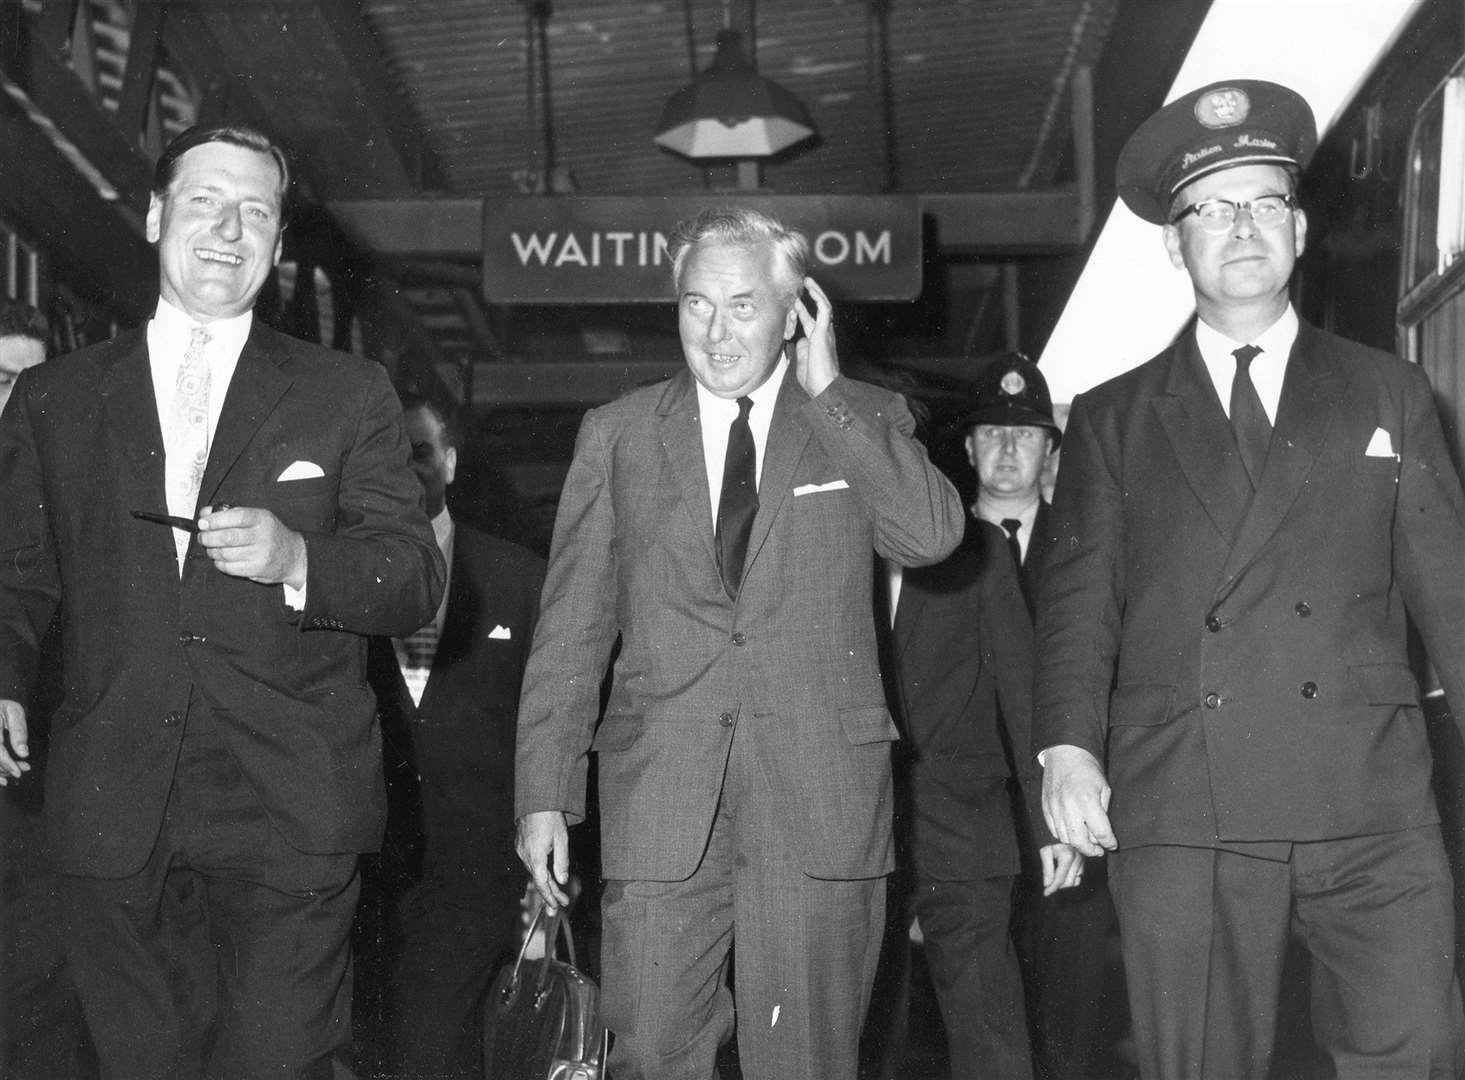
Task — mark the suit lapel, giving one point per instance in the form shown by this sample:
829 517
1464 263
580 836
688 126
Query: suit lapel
461 618
132 436
1201 438
788 434
681 443
1311 391
258 384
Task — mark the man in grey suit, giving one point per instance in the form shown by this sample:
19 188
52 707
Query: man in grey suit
723 524
1244 526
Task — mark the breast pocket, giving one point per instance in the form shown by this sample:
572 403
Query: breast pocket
305 505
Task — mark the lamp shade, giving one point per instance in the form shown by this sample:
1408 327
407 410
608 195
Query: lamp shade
731 111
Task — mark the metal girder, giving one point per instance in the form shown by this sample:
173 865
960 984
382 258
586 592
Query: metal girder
88 240
322 87
56 92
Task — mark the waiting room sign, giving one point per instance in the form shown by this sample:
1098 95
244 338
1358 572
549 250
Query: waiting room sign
613 250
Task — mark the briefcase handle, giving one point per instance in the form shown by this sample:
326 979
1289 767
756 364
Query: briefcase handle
558 930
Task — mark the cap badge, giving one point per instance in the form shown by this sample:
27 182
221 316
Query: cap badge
1223 108
1013 383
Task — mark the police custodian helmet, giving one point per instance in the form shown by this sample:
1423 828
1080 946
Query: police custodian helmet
1012 392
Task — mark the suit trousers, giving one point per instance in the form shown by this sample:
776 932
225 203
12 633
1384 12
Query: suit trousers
804 951
1204 932
455 936
974 970
227 956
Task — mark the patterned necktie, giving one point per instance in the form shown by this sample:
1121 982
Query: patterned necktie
187 449
1248 418
738 504
421 649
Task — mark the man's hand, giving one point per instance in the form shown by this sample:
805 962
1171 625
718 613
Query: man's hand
1076 800
815 362
248 542
14 742
1062 867
543 844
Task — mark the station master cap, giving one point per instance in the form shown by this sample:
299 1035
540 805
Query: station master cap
1236 122
1012 392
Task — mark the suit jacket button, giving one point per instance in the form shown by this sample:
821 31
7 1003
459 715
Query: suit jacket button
1309 689
739 638
1213 700
173 717
1303 609
726 719
1214 623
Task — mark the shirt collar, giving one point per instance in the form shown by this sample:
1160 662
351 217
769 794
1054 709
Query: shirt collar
1275 342
1028 515
225 335
709 404
442 530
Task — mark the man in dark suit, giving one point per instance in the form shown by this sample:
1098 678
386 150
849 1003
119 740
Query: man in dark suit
1241 526
215 764
450 692
963 646
723 524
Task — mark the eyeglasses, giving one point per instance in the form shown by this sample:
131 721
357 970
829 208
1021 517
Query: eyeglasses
1218 215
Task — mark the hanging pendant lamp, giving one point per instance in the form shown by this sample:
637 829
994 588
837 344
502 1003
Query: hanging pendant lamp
730 111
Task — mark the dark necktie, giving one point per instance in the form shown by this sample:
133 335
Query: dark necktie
738 504
1012 525
1248 418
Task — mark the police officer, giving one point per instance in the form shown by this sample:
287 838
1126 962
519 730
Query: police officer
963 660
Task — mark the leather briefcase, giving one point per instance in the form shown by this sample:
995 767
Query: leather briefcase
541 1018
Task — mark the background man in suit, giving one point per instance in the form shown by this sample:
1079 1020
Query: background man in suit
963 646
215 764
41 1030
1222 625
723 523
450 691
25 336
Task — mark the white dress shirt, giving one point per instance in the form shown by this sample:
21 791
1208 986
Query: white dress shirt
717 415
1267 369
169 334
442 531
1028 516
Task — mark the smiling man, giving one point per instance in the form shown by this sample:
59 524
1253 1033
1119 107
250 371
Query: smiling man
722 526
1244 528
215 763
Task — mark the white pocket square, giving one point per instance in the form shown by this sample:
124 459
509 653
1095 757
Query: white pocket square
1380 445
300 470
500 633
814 489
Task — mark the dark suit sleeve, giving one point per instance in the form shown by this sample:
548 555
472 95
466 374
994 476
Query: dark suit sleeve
1429 539
30 583
917 514
572 640
1078 600
380 572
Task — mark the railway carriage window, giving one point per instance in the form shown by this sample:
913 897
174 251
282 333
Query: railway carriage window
1431 311
1435 210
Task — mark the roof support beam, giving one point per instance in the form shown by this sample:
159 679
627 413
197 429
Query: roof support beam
89 241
